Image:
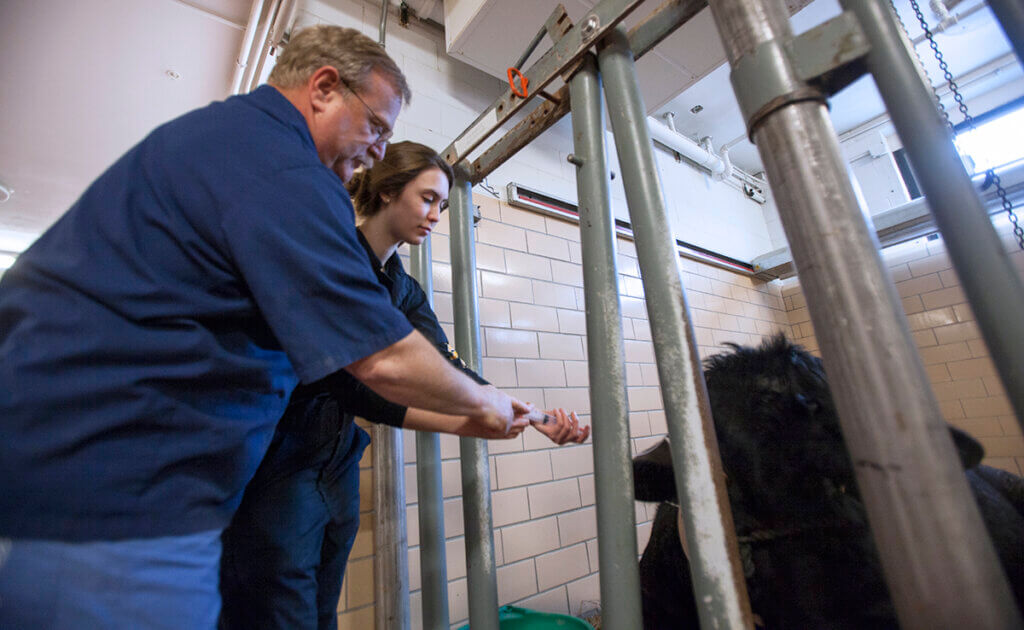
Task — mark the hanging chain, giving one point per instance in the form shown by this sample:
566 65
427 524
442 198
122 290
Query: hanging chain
990 175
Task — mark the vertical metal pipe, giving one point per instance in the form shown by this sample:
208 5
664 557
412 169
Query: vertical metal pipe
430 496
250 78
613 469
714 556
391 545
476 474
991 284
939 564
245 50
382 35
1010 15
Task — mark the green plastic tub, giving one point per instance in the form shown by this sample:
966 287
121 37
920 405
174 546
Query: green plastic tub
515 618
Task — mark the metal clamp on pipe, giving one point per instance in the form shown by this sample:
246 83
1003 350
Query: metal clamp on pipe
809 67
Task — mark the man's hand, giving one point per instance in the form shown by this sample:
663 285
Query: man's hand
505 416
562 428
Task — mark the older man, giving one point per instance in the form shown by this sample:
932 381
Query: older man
151 338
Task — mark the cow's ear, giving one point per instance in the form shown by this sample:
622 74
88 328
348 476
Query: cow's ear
970 450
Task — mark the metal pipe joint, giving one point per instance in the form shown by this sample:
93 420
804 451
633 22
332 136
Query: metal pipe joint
809 67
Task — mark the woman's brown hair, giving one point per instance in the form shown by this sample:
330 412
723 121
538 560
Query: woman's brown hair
402 163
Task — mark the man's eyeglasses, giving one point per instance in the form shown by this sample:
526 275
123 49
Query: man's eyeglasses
377 124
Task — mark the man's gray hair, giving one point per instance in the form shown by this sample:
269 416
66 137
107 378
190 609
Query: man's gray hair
351 53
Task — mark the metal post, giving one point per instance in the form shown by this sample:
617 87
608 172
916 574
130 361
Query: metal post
613 469
714 557
988 278
430 496
941 568
391 545
1010 15
476 474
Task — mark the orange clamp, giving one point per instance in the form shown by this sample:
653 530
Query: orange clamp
523 81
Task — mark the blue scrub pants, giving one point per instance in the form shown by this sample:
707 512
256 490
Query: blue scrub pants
286 549
155 583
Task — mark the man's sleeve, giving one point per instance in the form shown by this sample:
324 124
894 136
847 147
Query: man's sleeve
356 398
423 319
294 242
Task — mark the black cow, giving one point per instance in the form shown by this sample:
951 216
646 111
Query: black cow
807 552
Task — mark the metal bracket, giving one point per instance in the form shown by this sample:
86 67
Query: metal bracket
562 56
831 55
811 66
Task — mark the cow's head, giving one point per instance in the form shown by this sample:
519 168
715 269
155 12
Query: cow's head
778 435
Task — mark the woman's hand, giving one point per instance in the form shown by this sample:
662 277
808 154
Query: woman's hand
562 428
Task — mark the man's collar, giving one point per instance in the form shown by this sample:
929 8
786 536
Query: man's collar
273 102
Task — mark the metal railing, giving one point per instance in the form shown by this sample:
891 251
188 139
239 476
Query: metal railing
939 564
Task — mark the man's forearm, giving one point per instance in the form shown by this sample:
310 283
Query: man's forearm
411 372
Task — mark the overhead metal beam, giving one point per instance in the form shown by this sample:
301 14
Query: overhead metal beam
661 23
559 58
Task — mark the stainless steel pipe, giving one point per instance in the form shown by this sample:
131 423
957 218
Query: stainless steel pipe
430 494
714 556
939 564
476 474
391 545
613 469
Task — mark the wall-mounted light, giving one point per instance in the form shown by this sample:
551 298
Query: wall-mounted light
6 192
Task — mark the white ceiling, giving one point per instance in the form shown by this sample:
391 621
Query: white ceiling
82 81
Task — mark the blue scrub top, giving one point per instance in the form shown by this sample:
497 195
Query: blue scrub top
149 340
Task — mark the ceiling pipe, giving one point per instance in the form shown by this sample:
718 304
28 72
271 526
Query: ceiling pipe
947 19
382 36
251 77
687 148
283 24
670 120
245 51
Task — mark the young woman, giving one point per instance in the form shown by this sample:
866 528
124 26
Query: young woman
286 548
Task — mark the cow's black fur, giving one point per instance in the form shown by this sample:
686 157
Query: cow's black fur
790 479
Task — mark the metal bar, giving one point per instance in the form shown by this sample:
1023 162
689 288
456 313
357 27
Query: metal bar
251 76
613 469
382 34
245 51
430 495
531 47
714 556
1010 15
642 38
476 474
989 280
536 123
661 23
941 568
391 556
566 52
